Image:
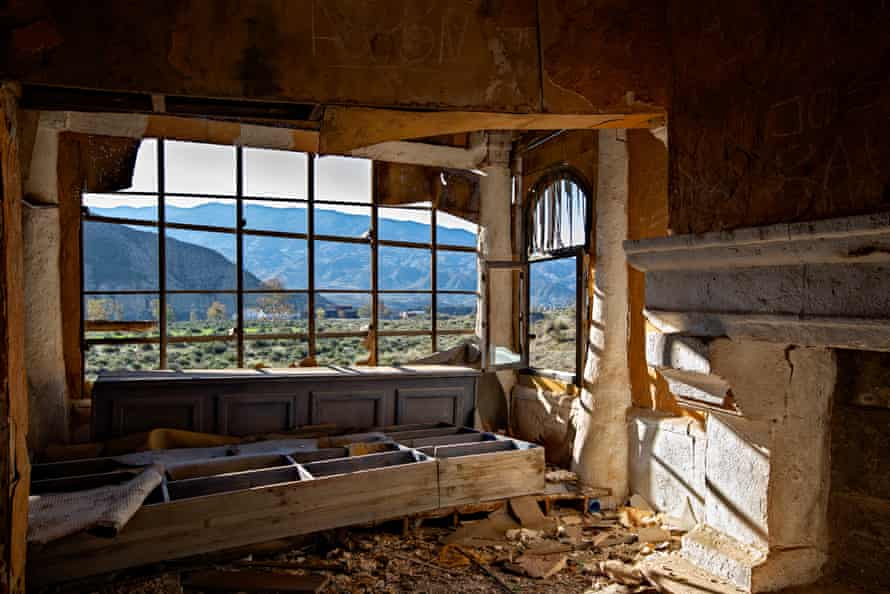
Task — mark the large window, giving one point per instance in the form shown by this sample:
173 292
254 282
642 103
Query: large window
557 231
220 257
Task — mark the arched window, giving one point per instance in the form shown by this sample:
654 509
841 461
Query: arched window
558 215
557 235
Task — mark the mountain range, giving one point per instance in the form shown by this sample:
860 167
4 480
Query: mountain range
123 257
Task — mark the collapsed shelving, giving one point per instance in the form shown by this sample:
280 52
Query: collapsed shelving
220 503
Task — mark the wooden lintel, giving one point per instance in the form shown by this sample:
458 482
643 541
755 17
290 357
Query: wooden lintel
346 129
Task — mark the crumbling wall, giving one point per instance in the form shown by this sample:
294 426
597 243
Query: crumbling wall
783 117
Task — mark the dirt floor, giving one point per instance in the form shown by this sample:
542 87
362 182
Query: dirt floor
566 551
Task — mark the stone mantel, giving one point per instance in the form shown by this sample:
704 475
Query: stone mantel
824 283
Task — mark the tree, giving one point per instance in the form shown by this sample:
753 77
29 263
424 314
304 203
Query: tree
156 309
216 311
277 305
104 309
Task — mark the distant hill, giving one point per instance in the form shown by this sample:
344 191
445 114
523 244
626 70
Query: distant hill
120 257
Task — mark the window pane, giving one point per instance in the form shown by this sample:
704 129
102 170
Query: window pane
404 224
201 314
274 174
343 179
275 263
452 230
404 268
275 313
341 265
102 312
394 350
119 257
456 271
552 335
274 353
119 357
342 312
450 341
201 211
200 260
202 355
122 206
342 221
196 168
266 215
456 312
401 311
340 351
145 174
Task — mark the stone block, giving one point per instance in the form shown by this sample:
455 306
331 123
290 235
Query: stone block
667 462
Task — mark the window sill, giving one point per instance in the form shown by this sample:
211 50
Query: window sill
563 376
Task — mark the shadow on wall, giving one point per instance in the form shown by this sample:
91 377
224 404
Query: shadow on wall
545 417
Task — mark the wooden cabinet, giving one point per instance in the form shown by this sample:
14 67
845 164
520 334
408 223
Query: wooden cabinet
248 402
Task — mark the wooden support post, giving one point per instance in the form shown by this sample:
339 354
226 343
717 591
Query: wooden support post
15 469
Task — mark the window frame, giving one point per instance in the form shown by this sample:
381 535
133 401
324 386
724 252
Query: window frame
240 231
578 252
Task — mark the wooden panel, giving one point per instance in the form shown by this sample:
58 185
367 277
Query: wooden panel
474 478
135 415
347 408
248 414
247 402
429 405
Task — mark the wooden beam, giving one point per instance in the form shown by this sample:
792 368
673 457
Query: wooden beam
419 153
346 129
15 469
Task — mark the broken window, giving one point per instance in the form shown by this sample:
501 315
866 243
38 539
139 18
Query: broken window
557 231
221 257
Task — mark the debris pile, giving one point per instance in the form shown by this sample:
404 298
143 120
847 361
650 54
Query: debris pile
512 546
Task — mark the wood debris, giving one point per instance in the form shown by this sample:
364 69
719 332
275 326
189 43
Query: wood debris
542 566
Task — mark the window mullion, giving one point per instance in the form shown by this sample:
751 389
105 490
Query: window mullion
433 280
239 253
375 288
310 253
162 258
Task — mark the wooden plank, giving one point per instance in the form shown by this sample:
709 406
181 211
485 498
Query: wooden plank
471 449
15 468
447 440
230 482
369 462
217 522
484 477
225 465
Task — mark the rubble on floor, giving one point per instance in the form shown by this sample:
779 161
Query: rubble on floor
508 546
